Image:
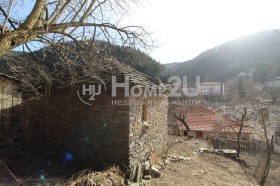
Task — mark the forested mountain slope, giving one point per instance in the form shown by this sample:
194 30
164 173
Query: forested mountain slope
257 52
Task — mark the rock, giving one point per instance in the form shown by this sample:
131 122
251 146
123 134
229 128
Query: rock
181 158
184 158
218 151
166 162
196 142
148 177
134 184
202 150
146 183
179 141
145 127
155 171
158 167
147 165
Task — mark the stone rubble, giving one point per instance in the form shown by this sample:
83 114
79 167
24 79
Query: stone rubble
174 159
155 169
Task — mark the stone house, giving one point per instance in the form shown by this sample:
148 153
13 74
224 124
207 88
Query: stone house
117 125
205 124
10 98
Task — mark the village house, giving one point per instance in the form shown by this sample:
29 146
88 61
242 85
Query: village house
272 82
205 124
10 98
125 129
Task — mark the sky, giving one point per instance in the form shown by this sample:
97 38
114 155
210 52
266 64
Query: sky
185 28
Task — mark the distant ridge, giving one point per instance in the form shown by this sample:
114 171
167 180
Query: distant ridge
259 51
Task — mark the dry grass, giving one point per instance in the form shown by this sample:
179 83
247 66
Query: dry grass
202 169
111 176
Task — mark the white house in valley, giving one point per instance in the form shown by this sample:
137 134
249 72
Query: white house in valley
272 82
212 88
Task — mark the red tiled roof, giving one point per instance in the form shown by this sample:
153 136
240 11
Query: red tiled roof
199 118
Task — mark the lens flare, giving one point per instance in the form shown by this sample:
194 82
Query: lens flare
67 157
42 177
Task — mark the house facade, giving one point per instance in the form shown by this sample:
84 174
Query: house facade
10 98
272 82
212 88
123 130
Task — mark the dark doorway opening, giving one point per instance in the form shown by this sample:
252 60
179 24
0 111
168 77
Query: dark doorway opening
199 134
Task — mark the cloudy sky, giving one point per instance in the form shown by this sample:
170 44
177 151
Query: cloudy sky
185 28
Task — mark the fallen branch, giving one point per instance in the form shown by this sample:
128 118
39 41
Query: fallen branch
20 181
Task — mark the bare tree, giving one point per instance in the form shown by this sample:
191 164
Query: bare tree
239 115
66 31
181 116
53 21
238 127
263 166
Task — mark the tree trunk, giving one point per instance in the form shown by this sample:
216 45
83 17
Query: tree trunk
240 131
15 38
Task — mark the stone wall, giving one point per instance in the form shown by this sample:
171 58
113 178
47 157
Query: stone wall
171 120
96 136
146 137
110 132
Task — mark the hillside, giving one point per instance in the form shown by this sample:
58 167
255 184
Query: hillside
258 52
136 59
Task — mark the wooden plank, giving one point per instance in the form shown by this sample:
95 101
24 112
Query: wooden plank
154 160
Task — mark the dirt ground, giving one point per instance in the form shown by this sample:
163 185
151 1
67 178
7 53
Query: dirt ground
273 177
199 169
210 169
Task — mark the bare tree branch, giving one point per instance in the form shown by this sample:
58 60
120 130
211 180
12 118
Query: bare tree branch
57 16
181 116
61 27
67 16
7 17
34 15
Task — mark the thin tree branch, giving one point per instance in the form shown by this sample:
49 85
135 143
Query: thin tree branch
60 12
54 12
8 15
